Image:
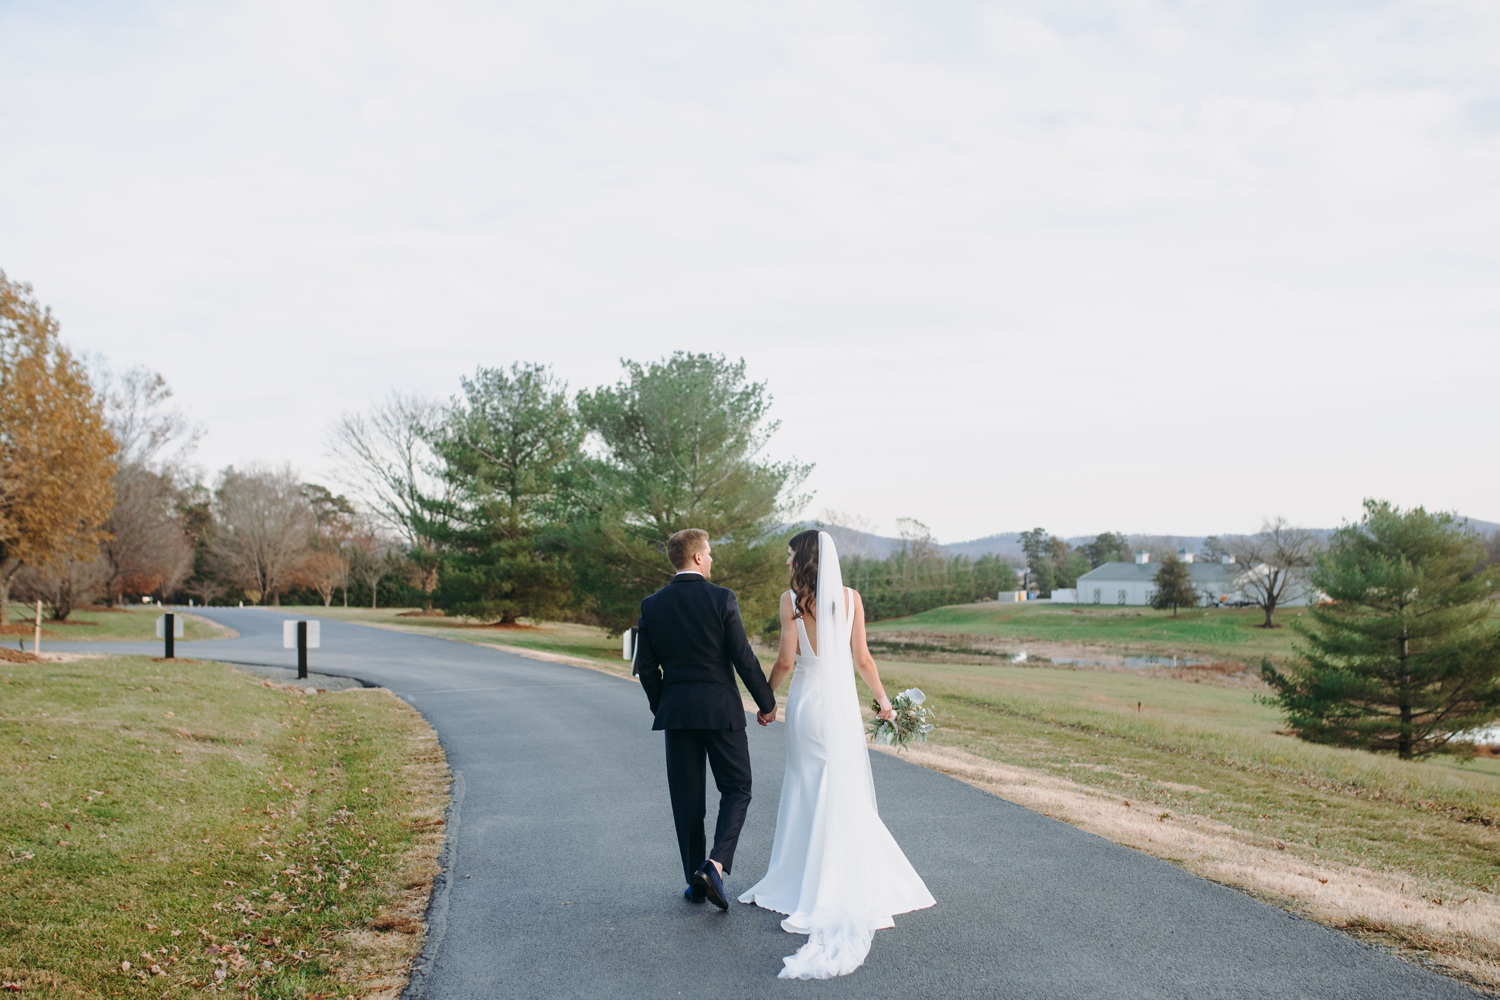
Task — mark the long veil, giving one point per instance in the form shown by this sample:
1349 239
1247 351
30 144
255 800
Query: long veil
836 672
843 921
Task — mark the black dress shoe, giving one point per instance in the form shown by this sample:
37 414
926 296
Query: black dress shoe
707 879
693 894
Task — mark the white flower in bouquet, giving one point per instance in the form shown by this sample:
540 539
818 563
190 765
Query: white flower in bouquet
912 724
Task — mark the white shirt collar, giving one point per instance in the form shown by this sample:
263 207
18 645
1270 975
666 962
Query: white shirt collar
684 572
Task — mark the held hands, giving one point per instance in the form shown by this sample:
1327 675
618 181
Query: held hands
766 718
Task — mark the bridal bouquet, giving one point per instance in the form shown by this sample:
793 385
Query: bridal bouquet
912 723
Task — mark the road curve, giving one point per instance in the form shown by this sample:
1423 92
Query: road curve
560 867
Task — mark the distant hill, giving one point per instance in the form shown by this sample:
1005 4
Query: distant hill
1008 544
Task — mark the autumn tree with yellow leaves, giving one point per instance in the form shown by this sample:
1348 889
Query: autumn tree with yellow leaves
56 454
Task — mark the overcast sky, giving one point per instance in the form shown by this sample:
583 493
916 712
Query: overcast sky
1163 267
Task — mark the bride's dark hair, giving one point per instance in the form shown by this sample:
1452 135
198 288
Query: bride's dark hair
804 546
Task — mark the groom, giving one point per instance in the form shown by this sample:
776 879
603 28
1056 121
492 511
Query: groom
689 636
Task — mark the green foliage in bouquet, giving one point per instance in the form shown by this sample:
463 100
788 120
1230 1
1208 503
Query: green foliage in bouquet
913 722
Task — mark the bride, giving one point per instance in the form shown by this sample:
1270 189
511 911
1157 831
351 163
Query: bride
836 871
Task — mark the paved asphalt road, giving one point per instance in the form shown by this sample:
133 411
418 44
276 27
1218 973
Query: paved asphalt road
560 869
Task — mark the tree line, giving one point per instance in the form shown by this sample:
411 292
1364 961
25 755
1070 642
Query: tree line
917 576
517 498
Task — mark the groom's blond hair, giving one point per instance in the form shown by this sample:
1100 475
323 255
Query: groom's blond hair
682 545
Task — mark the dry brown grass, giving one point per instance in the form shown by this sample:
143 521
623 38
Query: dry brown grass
381 956
1446 924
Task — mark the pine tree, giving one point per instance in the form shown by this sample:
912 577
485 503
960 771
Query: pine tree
502 449
681 446
1405 653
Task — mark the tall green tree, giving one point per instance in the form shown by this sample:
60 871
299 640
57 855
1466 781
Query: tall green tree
679 443
1404 655
1037 545
1174 587
503 447
1109 546
1052 561
1068 564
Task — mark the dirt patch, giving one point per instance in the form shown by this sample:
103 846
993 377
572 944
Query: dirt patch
16 656
496 626
21 628
26 627
420 614
944 647
1448 925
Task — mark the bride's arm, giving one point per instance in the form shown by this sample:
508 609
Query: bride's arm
786 652
864 662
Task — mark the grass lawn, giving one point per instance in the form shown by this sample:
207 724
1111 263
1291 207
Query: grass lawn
1214 751
136 623
1215 634
175 827
1224 793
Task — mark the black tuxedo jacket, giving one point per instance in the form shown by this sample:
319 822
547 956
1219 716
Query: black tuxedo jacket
690 636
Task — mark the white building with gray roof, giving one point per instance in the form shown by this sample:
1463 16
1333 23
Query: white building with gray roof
1134 583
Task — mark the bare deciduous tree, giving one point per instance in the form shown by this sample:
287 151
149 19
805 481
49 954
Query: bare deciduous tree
146 550
1277 560
149 431
264 527
62 587
385 459
324 571
371 559
206 589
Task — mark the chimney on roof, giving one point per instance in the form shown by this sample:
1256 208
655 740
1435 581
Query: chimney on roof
1141 558
1184 555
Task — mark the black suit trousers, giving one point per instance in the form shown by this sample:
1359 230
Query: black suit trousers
727 753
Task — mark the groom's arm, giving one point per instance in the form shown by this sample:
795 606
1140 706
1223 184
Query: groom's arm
647 665
743 658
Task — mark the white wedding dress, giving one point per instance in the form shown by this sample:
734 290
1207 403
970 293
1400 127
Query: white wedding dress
836 871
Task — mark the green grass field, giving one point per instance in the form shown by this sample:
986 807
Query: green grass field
178 827
136 623
1216 752
1216 634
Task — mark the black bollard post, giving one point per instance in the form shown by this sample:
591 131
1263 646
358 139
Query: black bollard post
302 651
171 633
